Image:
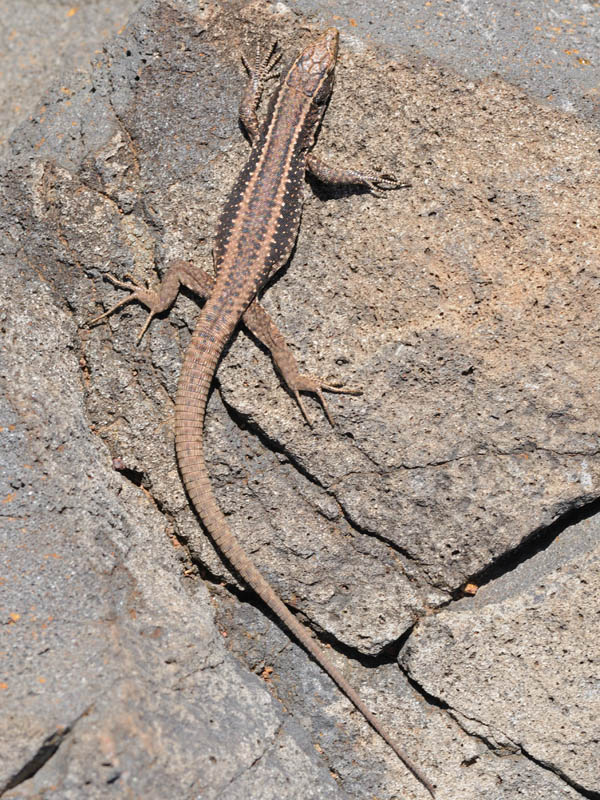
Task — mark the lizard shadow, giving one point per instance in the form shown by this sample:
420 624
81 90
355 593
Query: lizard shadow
333 191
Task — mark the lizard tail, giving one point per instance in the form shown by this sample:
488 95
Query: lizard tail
190 406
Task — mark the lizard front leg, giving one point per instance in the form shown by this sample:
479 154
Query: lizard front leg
259 72
352 177
256 320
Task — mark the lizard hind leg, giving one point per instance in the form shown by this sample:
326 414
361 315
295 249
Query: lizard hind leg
263 327
179 273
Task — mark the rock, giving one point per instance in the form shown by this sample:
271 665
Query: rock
464 306
518 664
114 678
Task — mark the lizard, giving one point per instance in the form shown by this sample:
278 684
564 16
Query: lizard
255 236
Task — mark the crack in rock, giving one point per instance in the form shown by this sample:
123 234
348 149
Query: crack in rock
43 754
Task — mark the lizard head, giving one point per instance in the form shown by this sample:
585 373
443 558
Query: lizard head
312 72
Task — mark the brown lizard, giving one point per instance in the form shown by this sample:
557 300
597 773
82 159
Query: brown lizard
256 233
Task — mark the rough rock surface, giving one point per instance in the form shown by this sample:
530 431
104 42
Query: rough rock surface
111 659
466 307
43 40
519 663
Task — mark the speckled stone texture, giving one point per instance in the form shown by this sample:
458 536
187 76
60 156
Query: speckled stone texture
465 306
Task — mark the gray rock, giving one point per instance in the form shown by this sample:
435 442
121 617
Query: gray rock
459 759
518 665
114 677
548 49
43 41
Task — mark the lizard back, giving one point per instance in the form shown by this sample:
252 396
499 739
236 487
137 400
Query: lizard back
259 223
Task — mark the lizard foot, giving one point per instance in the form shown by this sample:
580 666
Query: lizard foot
376 183
263 68
308 383
147 297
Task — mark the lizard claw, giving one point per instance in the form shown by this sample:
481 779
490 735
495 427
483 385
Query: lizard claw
378 183
143 295
308 383
263 67
146 325
298 399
